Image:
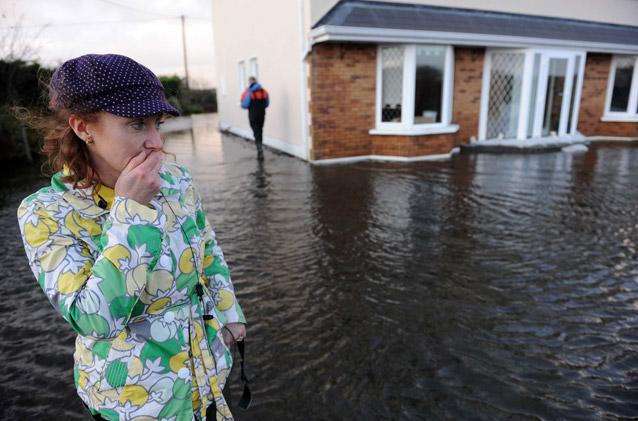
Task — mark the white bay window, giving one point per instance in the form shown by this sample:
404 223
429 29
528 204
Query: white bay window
414 89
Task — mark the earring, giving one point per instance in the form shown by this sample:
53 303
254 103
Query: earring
90 140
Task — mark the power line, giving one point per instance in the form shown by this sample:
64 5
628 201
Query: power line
125 6
114 3
86 23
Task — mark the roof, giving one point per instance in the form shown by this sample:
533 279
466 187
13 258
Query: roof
359 17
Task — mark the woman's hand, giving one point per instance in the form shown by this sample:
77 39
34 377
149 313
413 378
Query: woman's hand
239 332
140 179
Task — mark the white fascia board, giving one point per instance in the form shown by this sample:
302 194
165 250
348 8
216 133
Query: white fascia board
381 35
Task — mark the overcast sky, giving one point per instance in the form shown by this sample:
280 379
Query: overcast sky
152 35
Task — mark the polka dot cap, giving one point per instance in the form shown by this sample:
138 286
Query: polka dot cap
109 82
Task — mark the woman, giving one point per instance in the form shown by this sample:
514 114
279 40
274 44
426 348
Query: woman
121 246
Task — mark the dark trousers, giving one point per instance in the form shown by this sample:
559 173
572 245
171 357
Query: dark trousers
257 124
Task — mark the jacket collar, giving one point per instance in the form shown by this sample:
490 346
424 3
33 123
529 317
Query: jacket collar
83 202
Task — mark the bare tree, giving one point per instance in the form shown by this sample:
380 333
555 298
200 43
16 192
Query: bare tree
15 44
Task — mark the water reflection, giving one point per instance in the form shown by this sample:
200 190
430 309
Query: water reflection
484 287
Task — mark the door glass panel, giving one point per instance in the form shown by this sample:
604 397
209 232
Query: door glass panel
506 77
554 95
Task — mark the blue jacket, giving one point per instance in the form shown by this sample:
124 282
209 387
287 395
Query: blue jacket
256 96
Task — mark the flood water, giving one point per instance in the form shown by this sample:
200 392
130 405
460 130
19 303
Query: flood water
485 287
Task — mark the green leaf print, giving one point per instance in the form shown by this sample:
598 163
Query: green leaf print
138 309
109 414
93 323
41 279
189 229
113 283
101 348
181 389
217 269
153 350
121 306
172 408
168 177
116 373
186 280
201 219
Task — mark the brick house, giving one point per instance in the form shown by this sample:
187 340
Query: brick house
354 80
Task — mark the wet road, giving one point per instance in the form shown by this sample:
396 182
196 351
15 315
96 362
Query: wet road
484 287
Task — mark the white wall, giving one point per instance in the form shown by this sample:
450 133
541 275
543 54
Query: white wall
624 12
270 31
318 8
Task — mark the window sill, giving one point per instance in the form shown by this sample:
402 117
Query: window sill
619 118
416 130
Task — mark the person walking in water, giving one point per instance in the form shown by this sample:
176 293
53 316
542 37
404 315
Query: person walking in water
255 99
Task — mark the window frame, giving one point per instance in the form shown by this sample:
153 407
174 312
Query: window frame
632 105
241 74
253 66
407 126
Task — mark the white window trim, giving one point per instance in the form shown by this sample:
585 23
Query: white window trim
407 126
241 73
632 113
253 67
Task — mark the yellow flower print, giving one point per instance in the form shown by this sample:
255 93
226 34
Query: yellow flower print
161 280
186 261
76 224
158 306
120 344
135 367
137 395
41 232
52 260
227 300
118 255
178 361
136 278
69 282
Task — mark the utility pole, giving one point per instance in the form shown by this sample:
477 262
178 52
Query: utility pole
186 78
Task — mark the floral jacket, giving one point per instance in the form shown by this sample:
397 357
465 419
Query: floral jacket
147 290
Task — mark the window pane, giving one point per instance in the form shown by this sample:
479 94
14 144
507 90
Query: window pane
622 84
242 76
556 75
428 89
254 70
392 83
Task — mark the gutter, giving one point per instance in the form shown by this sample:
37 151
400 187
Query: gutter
327 33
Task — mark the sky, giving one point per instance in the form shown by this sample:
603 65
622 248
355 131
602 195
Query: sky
150 32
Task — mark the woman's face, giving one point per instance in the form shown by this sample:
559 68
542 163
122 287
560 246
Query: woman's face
118 139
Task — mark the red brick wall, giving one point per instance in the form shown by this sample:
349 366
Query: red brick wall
342 104
592 102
